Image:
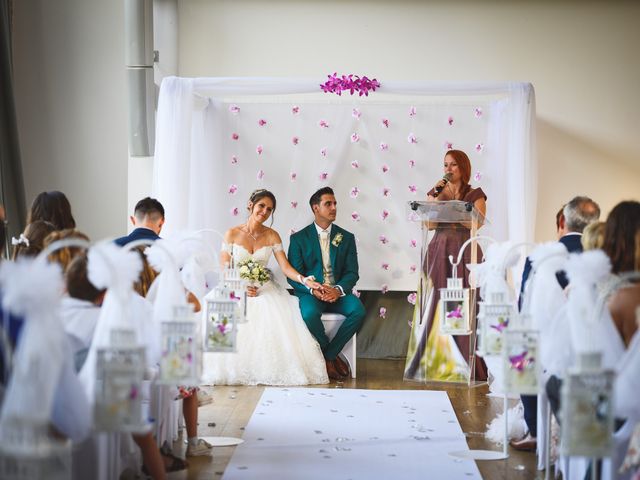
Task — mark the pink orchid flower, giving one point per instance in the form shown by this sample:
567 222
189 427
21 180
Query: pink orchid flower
323 151
413 189
384 146
293 176
384 214
294 204
235 109
323 176
384 288
295 109
233 188
384 266
382 312
520 362
262 122
412 138
478 176
477 112
260 174
259 149
413 268
385 168
354 192
383 239
448 145
413 243
450 121
234 160
355 138
235 136
457 313
385 122
479 147
292 231
412 298
386 192
412 163
323 124
355 113
502 324
412 111
295 140
235 211
355 164
355 216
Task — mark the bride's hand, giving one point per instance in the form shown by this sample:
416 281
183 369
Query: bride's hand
312 284
252 291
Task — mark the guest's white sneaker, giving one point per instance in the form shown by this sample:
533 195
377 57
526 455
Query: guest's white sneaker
202 447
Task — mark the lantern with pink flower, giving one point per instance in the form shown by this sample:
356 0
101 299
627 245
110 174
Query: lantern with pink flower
181 353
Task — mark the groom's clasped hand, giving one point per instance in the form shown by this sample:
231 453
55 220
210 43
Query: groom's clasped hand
326 293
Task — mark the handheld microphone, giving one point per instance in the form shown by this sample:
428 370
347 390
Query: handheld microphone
438 189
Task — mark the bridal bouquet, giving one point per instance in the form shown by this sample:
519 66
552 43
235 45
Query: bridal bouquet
253 271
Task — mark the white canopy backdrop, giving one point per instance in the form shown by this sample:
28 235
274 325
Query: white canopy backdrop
218 139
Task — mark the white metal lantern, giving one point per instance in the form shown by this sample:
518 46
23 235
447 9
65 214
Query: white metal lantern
493 318
221 327
29 451
587 409
237 291
454 308
520 359
181 355
119 376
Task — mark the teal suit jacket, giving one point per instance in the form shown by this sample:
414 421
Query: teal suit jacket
306 257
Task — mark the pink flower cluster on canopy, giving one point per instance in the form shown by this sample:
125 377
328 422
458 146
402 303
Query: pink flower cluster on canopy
352 83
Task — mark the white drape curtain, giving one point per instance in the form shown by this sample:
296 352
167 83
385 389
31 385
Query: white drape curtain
207 161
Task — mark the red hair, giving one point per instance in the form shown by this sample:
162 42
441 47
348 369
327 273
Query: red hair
464 164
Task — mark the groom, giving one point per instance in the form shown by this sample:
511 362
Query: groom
327 252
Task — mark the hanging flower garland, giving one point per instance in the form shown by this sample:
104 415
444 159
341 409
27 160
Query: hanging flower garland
352 83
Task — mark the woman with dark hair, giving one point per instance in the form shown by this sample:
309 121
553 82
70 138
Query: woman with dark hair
431 355
52 207
622 246
31 242
275 346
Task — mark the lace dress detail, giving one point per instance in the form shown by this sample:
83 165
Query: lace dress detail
275 346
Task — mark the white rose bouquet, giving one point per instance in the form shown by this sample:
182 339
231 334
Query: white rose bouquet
253 271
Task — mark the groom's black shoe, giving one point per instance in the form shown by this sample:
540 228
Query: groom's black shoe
332 371
342 367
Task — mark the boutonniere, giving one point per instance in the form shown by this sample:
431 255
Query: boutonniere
337 240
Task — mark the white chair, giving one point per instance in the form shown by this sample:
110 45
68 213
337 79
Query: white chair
332 322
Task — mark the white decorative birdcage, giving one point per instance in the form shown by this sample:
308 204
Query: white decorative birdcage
181 355
120 371
520 358
454 308
44 459
221 326
237 287
587 409
493 319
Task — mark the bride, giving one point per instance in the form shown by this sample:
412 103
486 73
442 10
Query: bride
274 347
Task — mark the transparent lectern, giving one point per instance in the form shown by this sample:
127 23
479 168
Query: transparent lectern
442 344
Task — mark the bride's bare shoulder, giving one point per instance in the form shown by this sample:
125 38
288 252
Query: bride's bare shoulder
273 236
233 233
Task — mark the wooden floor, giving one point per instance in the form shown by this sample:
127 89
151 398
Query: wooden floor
233 406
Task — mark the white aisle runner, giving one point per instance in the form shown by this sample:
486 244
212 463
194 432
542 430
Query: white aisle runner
336 434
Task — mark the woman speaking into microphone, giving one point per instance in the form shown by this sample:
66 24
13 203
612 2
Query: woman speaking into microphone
445 357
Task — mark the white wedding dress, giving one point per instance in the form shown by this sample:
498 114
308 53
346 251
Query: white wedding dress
274 346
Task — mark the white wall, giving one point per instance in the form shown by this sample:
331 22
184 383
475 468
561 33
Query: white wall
580 56
70 89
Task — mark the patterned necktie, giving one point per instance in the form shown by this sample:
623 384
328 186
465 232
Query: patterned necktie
324 246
